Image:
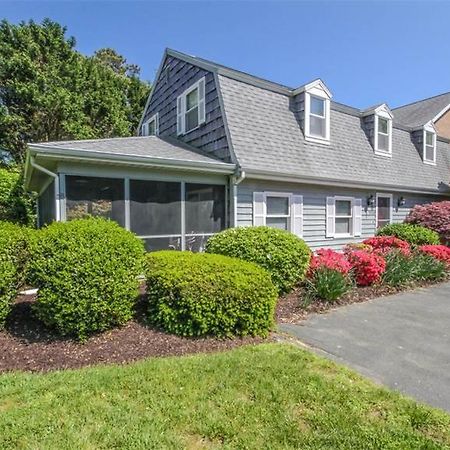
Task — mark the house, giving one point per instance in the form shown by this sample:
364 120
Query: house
219 148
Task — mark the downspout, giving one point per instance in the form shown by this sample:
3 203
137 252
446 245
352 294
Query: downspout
56 181
236 180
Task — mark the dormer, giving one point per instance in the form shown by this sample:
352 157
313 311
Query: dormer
378 127
425 140
312 104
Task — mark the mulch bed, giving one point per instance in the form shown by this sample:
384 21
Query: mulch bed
291 308
26 344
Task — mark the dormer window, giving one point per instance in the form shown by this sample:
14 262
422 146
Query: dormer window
383 135
151 126
429 146
316 119
378 127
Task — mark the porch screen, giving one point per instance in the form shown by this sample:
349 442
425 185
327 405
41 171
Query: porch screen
205 213
155 213
98 197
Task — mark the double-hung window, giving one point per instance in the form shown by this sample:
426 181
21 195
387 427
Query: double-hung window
151 126
343 217
429 147
280 210
383 135
191 108
317 117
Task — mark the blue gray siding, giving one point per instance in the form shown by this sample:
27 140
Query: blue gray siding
314 208
176 76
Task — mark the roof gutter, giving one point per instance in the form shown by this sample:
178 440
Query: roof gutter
293 178
56 185
131 160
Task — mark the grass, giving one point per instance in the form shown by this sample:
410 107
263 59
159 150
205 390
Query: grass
271 396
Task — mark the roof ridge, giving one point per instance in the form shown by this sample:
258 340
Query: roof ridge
423 100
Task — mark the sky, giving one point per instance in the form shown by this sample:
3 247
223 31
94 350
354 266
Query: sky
366 52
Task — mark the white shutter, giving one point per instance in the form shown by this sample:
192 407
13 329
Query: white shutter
181 100
330 216
259 209
357 217
201 101
297 215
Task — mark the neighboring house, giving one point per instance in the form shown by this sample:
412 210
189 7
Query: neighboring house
221 148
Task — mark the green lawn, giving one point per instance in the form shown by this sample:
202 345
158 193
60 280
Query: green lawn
272 396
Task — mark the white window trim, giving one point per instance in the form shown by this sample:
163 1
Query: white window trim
391 199
146 125
424 148
200 106
287 216
352 217
378 151
318 93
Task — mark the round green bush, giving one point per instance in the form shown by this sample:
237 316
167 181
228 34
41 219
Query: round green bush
13 259
86 271
413 234
283 254
195 294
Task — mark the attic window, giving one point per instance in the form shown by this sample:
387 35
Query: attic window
429 147
383 135
317 112
151 126
191 108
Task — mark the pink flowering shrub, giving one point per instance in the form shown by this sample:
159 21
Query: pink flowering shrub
435 216
330 259
367 267
385 244
440 252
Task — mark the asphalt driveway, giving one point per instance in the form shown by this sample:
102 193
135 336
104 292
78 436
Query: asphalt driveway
402 341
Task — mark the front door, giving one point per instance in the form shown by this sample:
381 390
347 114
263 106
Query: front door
384 210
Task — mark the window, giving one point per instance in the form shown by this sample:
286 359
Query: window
343 217
317 119
429 148
383 210
316 112
383 135
280 210
151 127
98 197
191 108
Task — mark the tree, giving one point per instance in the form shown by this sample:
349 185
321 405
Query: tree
49 91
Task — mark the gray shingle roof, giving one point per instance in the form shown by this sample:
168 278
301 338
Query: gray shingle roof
145 147
419 113
267 137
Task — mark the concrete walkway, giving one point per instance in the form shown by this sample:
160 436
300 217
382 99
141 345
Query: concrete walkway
402 341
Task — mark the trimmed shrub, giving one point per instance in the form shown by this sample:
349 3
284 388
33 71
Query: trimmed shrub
13 259
16 205
402 269
440 252
413 234
330 259
86 271
435 216
283 254
327 284
367 267
195 294
385 244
